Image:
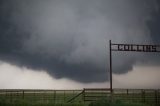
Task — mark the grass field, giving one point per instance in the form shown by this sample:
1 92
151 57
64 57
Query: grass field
86 97
40 97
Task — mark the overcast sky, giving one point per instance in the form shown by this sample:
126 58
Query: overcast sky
65 42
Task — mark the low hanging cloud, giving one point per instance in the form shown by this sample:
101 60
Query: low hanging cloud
69 39
24 78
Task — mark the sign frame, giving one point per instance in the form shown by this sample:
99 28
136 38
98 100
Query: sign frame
128 48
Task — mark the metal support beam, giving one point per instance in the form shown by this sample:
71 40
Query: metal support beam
110 53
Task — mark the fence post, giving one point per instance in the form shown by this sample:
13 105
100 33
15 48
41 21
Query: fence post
127 96
84 94
43 95
156 98
6 93
64 96
11 96
54 97
143 95
112 95
23 94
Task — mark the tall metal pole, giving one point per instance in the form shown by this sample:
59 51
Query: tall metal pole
110 56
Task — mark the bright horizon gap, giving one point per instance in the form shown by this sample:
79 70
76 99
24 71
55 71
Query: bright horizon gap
23 78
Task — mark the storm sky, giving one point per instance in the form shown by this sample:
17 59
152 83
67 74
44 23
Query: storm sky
69 39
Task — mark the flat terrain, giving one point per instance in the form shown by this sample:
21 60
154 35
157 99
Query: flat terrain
83 97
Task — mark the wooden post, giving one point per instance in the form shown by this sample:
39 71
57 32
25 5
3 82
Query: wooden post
143 95
110 56
23 94
84 95
54 97
156 98
127 92
64 96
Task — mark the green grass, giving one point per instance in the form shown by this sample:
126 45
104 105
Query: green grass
101 102
41 99
4 102
60 98
107 102
47 98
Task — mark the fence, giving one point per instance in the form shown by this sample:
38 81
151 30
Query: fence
40 96
95 94
147 96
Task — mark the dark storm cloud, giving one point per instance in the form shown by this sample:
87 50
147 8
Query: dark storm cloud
154 24
69 38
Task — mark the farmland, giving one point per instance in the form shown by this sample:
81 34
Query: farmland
29 97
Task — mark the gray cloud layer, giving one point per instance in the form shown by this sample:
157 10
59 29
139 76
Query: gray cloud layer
69 38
